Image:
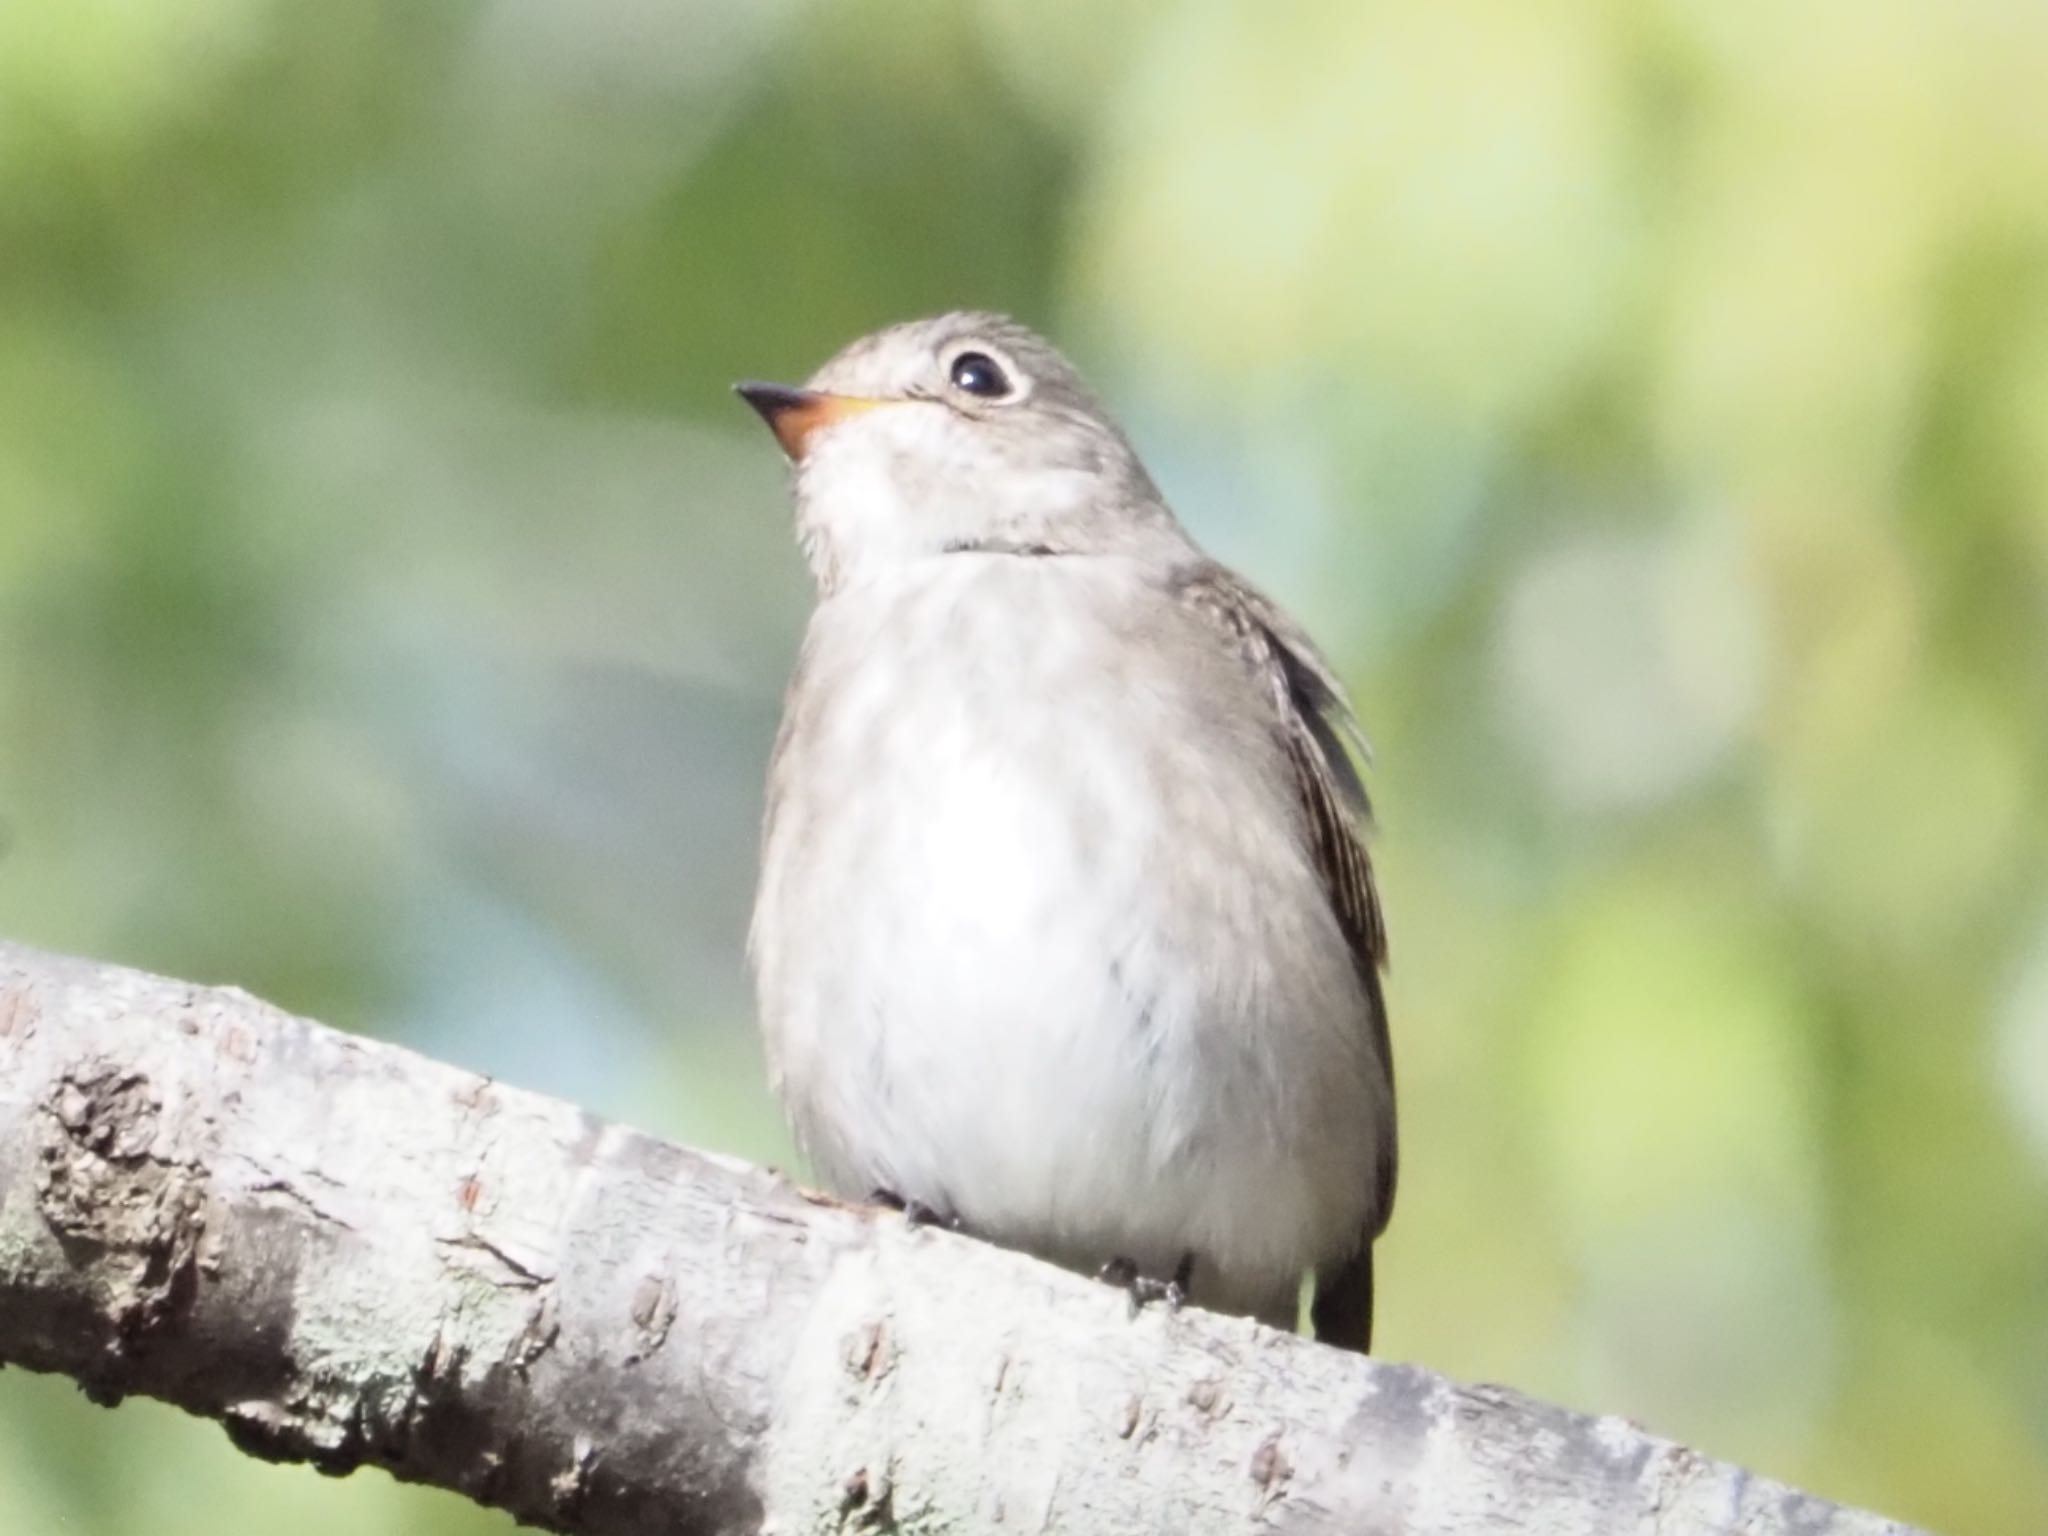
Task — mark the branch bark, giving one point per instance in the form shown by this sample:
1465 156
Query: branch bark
346 1253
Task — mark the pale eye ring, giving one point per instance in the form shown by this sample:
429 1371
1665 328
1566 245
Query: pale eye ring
978 374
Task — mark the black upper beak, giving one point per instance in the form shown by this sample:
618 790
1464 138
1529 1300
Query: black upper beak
771 400
794 414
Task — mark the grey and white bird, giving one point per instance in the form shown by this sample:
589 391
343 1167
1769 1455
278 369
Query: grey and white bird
1066 929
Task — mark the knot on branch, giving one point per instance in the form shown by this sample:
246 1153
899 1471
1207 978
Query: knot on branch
121 1206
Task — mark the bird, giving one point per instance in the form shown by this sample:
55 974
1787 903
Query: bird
1066 931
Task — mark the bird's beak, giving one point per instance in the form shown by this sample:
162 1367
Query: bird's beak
794 414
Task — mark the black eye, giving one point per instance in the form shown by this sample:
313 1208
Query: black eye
976 373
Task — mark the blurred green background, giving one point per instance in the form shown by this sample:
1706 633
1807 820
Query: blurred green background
1647 405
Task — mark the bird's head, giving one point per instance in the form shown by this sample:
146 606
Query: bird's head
963 433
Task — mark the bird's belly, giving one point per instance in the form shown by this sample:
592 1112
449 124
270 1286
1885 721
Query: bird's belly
1010 1039
1021 980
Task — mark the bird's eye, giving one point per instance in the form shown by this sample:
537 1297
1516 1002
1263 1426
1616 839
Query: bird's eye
976 373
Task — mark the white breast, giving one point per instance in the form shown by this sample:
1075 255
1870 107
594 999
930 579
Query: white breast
1039 941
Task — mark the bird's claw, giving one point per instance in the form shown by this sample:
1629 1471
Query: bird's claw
915 1212
1142 1289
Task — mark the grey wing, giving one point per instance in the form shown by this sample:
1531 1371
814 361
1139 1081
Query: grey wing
1320 735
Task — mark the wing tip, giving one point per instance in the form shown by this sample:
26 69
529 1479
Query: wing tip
1341 1313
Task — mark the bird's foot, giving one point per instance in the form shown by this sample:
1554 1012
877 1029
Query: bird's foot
1141 1288
915 1212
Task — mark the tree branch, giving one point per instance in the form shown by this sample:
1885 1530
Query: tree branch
347 1253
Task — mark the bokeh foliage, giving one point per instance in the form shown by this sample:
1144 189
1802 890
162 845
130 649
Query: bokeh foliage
1647 403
